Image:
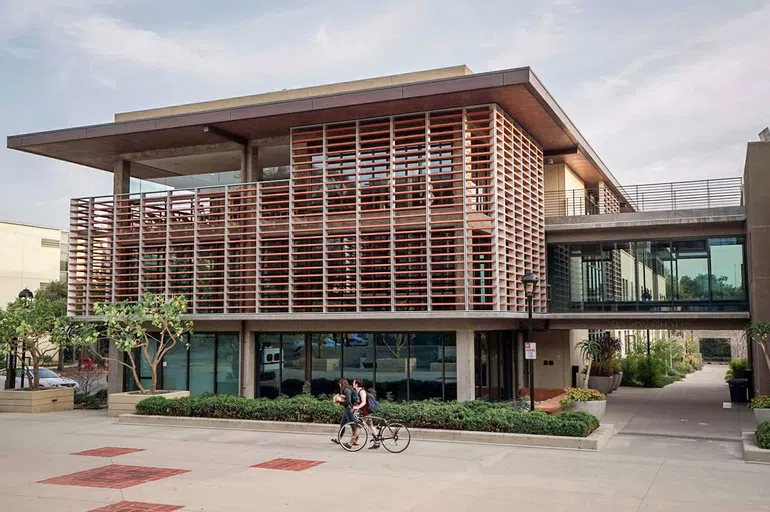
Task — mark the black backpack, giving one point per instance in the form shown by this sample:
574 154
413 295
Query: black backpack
372 402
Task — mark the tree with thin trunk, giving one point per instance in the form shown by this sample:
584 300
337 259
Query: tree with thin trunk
137 328
39 326
759 333
589 351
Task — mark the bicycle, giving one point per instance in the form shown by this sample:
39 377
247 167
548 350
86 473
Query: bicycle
392 435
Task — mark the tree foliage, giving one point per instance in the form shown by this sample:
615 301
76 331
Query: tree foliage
40 326
151 322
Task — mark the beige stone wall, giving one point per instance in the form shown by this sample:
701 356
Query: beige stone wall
48 400
24 261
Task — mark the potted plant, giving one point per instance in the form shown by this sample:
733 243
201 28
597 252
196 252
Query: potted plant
585 400
601 379
148 329
589 350
737 380
604 353
761 407
38 326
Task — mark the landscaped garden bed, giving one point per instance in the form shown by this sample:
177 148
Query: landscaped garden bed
475 416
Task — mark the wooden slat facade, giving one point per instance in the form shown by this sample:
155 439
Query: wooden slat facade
432 211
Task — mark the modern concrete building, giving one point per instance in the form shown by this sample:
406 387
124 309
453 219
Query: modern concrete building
31 256
380 228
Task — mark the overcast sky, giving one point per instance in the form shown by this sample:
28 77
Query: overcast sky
664 90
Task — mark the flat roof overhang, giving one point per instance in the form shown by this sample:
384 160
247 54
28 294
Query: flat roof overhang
518 91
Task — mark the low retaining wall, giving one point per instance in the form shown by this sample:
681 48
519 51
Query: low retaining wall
596 441
752 452
44 400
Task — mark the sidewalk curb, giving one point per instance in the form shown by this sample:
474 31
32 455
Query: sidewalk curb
753 453
594 442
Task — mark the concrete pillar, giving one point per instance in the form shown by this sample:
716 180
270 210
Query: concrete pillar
249 165
121 178
756 183
248 362
115 370
601 199
466 365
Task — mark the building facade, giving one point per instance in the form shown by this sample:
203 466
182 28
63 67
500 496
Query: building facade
380 229
32 256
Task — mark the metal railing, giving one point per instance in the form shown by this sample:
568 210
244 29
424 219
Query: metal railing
681 195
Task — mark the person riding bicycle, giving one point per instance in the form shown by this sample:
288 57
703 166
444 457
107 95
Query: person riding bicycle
362 409
347 398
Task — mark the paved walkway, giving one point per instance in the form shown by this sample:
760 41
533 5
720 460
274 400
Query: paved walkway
631 474
691 408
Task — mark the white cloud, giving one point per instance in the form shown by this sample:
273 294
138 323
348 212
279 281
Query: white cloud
669 114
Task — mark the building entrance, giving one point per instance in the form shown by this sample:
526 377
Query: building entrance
496 365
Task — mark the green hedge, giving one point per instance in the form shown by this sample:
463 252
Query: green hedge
475 416
763 435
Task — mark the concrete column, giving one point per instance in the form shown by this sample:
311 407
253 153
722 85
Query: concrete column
466 366
756 182
121 178
249 166
115 370
248 362
602 202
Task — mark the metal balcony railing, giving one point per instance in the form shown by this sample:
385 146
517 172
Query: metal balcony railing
682 195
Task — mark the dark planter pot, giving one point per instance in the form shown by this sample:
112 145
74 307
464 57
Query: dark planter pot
739 390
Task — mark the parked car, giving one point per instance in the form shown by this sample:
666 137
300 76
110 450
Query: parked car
48 379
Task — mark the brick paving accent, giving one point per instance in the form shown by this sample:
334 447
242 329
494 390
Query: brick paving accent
136 506
289 464
114 476
108 451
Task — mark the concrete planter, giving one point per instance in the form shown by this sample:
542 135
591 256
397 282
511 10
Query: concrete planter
620 380
125 403
44 400
326 365
395 365
595 408
762 415
601 384
450 367
616 381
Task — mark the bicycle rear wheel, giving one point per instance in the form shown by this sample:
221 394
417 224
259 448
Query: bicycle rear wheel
346 438
395 437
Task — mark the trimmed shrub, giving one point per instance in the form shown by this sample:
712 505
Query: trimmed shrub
760 402
738 369
476 416
763 435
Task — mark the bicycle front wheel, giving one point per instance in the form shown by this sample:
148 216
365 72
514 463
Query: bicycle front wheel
395 437
351 440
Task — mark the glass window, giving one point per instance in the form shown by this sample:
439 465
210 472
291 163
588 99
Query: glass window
727 270
268 366
291 362
327 351
175 366
358 357
228 360
425 379
143 369
450 366
392 353
201 363
690 270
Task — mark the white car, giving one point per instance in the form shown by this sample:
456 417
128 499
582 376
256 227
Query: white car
48 379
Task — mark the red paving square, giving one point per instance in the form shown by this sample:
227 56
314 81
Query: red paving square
108 451
136 506
114 476
289 464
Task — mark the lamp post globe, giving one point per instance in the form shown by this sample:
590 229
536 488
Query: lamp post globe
529 280
25 294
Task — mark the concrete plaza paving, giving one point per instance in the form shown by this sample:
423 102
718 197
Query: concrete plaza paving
633 473
690 408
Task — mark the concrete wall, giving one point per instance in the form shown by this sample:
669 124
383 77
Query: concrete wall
560 177
24 262
756 186
556 347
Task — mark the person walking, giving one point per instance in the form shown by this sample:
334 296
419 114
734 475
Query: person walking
362 408
347 398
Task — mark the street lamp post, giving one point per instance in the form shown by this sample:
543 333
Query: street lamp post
529 280
25 295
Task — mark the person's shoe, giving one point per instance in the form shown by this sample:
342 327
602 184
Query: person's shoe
374 446
335 440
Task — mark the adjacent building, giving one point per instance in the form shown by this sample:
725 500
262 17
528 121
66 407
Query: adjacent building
380 229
